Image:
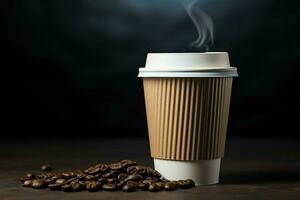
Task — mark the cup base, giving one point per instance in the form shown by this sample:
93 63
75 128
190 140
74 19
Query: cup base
203 172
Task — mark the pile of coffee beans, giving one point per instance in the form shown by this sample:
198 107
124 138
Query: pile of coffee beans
125 175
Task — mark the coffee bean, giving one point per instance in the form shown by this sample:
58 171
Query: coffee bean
143 186
111 180
107 175
82 183
30 176
170 186
93 186
46 167
57 176
121 184
134 183
129 188
68 175
151 178
141 170
116 166
164 180
38 184
27 183
99 168
187 184
109 187
122 176
180 183
66 187
134 177
90 177
23 179
60 181
161 185
131 169
148 181
71 180
114 173
153 187
127 162
54 186
95 171
76 187
49 180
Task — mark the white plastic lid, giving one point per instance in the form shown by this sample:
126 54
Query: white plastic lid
209 64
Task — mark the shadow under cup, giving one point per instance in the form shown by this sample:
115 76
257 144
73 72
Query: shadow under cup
187 98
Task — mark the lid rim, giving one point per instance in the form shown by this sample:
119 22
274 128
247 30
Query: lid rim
181 69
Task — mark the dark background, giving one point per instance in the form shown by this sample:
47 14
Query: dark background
69 68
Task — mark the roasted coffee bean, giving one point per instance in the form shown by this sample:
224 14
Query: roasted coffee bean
90 177
99 168
97 176
93 186
23 179
66 187
41 176
71 180
161 185
134 177
30 176
76 187
114 173
49 180
46 167
136 184
38 184
147 181
60 181
187 184
27 183
121 184
95 171
153 187
82 183
54 186
143 186
68 175
164 180
129 188
131 169
111 180
152 173
57 176
126 163
170 186
107 175
116 166
155 173
109 187
140 170
122 176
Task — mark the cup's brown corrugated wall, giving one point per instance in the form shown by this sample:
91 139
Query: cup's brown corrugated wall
187 117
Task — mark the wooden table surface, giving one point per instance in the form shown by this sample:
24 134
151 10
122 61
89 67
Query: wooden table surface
251 169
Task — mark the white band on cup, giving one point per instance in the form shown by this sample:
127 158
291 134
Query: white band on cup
187 74
203 172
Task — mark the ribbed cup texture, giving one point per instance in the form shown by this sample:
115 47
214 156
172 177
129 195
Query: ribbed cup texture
187 117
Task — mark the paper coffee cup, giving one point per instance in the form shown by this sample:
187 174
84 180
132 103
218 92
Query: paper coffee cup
187 98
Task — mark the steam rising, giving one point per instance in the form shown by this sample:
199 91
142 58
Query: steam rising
203 23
